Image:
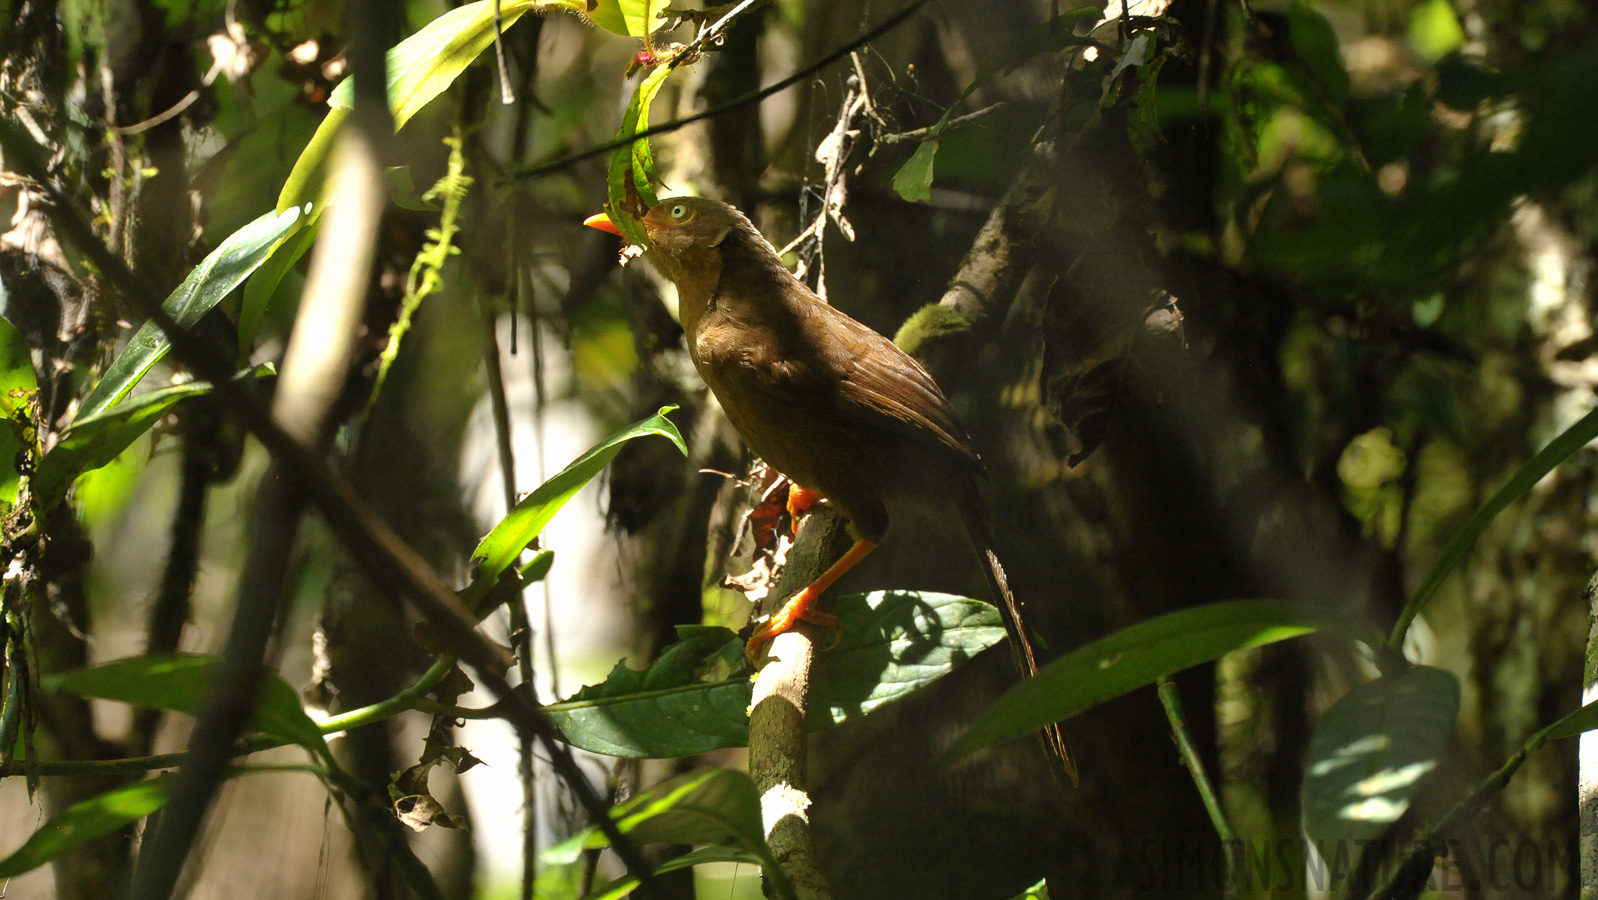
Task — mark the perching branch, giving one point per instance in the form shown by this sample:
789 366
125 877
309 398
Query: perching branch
778 719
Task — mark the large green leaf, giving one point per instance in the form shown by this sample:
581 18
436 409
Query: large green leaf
420 68
499 549
665 710
712 806
1558 450
628 17
86 820
1374 750
634 162
16 382
179 682
621 887
96 440
219 273
893 642
1130 659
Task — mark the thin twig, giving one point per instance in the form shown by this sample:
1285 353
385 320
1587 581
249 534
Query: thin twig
933 131
736 103
507 94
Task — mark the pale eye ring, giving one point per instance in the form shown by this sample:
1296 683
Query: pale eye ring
679 211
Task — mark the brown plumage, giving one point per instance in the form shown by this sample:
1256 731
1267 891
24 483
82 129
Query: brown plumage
823 399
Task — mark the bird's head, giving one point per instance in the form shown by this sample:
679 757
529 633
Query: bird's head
683 232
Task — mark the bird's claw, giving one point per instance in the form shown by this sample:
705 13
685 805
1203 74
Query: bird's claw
800 501
796 610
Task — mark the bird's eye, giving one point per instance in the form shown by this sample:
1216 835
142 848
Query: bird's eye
679 212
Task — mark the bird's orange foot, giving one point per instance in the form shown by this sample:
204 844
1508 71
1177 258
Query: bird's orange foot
796 610
800 501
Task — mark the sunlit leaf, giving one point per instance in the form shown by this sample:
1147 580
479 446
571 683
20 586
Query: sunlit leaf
622 887
1574 724
499 549
179 682
634 162
1375 749
913 181
628 17
893 643
86 820
420 68
224 269
16 382
713 806
1434 30
1132 658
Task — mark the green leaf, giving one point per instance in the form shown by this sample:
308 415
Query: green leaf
1582 720
179 682
16 377
86 820
712 806
913 181
1132 658
218 274
420 68
628 17
499 549
893 643
1374 751
1434 30
1317 47
634 160
621 887
1558 450
96 440
263 284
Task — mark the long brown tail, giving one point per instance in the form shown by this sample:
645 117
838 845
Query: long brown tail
974 516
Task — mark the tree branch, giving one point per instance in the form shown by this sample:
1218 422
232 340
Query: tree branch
779 732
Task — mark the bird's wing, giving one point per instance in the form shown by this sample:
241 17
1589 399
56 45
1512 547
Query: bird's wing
884 385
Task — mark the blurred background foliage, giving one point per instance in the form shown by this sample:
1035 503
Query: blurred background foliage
1316 278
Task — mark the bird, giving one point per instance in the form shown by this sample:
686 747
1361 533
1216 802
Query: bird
827 401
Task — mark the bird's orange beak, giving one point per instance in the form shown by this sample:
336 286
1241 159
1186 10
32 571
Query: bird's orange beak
603 223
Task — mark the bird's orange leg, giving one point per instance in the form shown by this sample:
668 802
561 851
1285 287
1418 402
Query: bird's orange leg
800 501
797 609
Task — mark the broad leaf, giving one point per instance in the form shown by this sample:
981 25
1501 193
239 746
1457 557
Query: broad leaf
628 17
621 887
1317 47
913 181
420 68
16 382
499 549
1558 450
665 710
634 163
179 682
96 440
893 643
218 274
712 806
89 819
1130 659
1374 750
